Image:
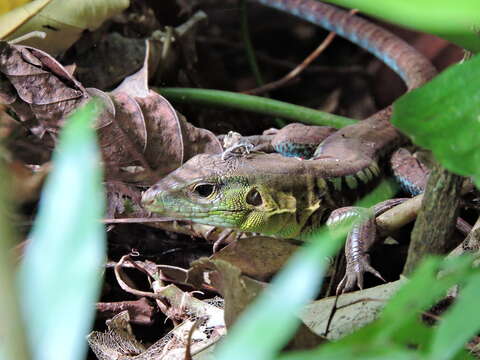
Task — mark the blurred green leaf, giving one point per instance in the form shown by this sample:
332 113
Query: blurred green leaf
457 21
13 344
377 352
265 327
400 318
459 324
444 116
399 326
60 276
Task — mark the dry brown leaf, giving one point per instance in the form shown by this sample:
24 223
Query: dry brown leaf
259 257
171 140
237 290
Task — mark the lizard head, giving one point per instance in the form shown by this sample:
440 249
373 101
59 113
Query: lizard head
245 193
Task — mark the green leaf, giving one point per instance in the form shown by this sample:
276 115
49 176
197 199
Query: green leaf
60 276
444 116
457 21
459 324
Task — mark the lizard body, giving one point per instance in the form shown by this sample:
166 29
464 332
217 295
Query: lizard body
285 196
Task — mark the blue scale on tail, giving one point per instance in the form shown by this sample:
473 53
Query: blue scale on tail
407 186
289 149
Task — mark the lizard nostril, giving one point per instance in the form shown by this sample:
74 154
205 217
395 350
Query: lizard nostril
148 197
147 202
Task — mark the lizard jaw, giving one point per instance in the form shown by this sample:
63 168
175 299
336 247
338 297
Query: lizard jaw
160 202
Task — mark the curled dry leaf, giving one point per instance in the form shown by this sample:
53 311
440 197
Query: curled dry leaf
141 135
117 341
40 90
169 135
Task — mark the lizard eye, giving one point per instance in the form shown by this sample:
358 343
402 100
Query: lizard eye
204 190
254 198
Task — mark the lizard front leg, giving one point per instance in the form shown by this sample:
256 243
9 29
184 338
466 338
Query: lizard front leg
359 240
411 175
294 140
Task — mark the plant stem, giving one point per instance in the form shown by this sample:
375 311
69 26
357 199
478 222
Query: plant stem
437 218
255 104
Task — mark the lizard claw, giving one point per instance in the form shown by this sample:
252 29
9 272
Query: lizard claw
222 240
354 275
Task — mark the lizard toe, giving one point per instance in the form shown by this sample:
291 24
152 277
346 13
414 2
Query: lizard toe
354 275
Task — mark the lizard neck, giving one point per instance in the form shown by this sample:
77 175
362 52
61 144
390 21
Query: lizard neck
304 203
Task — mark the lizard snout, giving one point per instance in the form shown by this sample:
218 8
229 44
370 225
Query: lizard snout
150 197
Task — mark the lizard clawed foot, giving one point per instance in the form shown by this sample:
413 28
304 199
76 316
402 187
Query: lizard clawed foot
359 240
354 274
235 145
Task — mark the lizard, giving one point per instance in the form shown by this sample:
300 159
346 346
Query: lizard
277 195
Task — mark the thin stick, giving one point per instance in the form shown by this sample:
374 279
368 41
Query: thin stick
300 68
295 72
32 34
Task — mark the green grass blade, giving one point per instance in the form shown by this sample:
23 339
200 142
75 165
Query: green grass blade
60 276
